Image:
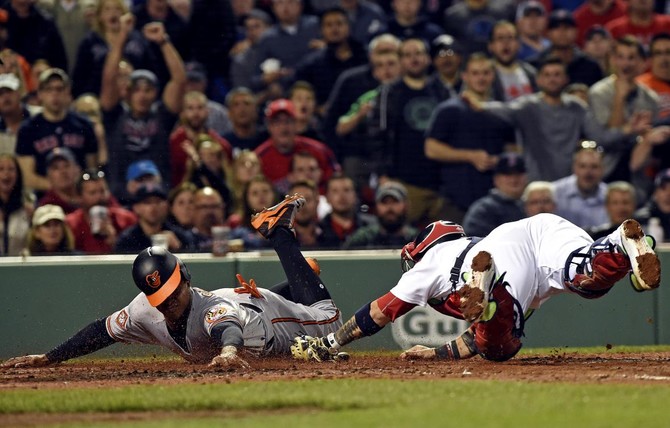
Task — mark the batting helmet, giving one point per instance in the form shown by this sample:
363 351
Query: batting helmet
433 234
158 272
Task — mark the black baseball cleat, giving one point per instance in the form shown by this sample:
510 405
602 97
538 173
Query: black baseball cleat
280 215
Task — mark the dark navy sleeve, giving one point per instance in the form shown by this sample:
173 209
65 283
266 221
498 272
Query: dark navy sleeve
91 338
228 333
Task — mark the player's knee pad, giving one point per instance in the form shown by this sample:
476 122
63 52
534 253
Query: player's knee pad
498 336
607 269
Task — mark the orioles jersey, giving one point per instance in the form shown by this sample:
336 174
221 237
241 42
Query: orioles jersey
268 324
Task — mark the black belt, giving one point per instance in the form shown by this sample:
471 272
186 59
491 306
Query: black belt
458 264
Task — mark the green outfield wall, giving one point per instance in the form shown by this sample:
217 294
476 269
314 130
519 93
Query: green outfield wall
45 300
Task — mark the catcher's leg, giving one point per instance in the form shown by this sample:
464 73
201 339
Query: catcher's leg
592 271
498 333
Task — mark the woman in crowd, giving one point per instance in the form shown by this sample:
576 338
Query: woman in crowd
245 167
180 201
258 195
87 73
15 207
49 234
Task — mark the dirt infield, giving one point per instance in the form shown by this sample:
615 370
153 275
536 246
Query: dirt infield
608 366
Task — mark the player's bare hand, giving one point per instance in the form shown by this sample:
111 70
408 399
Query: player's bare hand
26 361
419 352
228 358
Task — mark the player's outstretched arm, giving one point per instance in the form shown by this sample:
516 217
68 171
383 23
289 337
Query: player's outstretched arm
89 339
461 348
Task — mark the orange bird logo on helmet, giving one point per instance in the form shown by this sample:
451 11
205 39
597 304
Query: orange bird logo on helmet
153 279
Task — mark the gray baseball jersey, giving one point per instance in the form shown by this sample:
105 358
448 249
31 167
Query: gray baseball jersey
268 324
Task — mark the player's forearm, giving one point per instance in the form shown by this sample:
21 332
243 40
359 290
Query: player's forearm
461 348
367 321
89 339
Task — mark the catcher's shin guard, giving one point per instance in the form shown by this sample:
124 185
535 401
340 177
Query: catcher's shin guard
498 333
596 270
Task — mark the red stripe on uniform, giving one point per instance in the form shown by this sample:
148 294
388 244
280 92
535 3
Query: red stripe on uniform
109 329
308 322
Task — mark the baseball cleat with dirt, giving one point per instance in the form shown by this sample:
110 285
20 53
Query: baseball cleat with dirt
644 262
475 293
280 215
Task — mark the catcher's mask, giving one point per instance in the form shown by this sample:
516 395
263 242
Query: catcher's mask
158 273
433 234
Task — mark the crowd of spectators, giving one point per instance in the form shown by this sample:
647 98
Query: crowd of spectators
126 123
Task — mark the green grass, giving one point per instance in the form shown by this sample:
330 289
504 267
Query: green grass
368 403
355 403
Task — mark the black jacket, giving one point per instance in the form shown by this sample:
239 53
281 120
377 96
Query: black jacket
35 37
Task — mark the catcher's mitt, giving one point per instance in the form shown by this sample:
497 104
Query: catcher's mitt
313 348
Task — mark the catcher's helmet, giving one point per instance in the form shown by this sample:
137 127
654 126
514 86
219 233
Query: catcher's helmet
431 235
158 272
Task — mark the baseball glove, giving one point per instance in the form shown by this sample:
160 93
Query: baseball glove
313 348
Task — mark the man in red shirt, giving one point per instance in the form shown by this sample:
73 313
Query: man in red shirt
596 12
97 224
276 152
641 22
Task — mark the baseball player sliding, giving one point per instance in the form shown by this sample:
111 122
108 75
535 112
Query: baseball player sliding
213 327
493 282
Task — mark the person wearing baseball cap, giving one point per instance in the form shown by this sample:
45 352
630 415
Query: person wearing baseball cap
62 173
392 230
49 234
151 208
562 33
56 124
12 111
142 131
140 172
277 151
51 74
448 55
503 203
596 13
531 23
